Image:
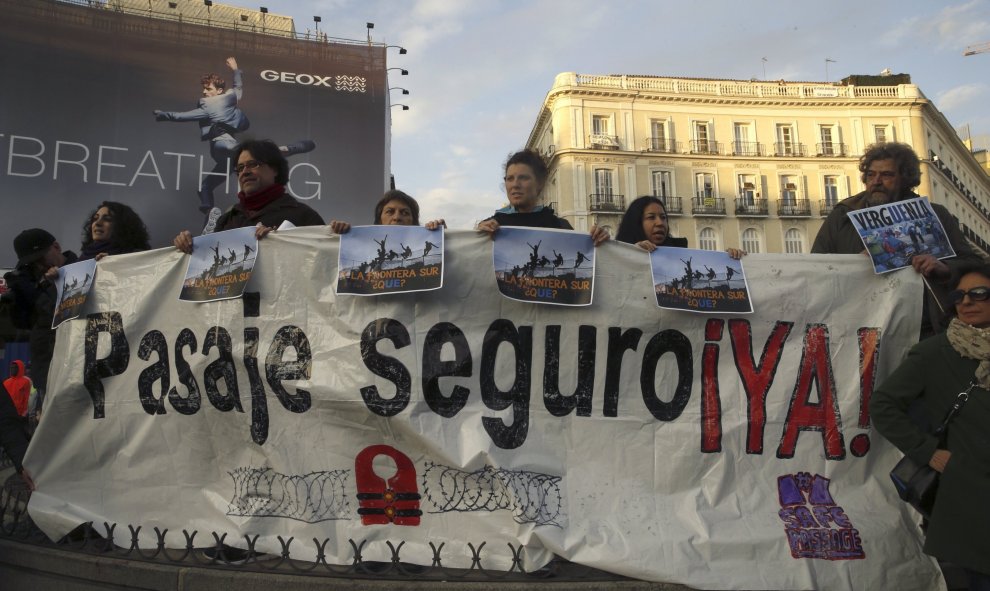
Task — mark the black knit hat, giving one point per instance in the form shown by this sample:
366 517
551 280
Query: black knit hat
31 245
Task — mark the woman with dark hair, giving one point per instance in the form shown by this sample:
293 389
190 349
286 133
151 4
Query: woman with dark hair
525 176
396 208
931 379
645 225
113 228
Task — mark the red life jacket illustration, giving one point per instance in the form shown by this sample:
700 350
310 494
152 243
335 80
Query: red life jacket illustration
395 501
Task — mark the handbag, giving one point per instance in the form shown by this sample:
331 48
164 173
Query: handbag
917 484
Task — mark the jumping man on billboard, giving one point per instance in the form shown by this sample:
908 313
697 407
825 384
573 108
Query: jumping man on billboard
220 121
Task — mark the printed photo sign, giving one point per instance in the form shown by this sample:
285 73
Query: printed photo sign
72 286
895 232
545 266
699 281
220 265
376 260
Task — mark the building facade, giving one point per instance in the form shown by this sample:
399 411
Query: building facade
749 164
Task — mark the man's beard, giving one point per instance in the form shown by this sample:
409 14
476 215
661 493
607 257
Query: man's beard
879 198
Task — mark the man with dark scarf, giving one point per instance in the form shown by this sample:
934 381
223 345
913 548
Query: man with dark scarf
262 172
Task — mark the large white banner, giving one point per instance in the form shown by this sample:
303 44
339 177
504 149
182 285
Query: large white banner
715 451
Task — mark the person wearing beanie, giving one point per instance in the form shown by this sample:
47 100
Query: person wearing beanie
34 298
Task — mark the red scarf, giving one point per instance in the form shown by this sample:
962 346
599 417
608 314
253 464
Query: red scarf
256 201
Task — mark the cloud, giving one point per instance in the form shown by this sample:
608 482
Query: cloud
952 28
960 96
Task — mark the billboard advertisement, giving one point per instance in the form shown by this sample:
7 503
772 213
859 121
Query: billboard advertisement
145 111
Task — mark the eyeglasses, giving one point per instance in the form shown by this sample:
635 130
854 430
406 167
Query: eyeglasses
977 294
249 165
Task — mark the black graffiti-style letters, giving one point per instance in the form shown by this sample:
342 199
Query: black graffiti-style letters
435 368
94 370
384 366
521 340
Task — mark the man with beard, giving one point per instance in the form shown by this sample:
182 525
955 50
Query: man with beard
890 172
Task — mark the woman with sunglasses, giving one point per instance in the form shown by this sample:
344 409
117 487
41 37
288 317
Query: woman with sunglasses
929 379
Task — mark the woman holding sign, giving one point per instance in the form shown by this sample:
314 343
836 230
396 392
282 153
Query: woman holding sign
645 225
525 177
113 228
932 377
396 208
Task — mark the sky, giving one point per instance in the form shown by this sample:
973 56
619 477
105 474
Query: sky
479 71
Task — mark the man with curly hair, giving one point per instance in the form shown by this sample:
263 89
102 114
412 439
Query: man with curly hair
891 171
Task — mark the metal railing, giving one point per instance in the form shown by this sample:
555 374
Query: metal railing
825 207
746 206
659 144
747 149
793 208
208 550
707 206
705 147
831 149
789 149
672 205
606 202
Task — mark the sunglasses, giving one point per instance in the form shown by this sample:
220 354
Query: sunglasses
977 294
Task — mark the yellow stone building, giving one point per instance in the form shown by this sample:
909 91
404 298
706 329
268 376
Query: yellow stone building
751 164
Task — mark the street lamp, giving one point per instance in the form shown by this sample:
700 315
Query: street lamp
404 91
317 20
404 107
401 71
370 26
402 50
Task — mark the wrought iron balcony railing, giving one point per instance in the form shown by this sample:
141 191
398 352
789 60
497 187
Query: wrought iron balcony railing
672 205
747 207
606 202
707 206
659 144
789 150
747 149
791 208
705 147
831 149
825 206
600 141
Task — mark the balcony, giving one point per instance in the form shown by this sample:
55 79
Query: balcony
748 207
831 150
600 141
825 206
705 147
789 150
747 149
606 202
672 205
707 206
793 208
659 144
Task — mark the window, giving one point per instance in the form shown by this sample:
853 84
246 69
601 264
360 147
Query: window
703 138
600 125
880 132
704 185
793 241
747 188
831 190
601 132
662 186
788 189
828 142
785 140
707 239
603 184
660 139
751 241
742 134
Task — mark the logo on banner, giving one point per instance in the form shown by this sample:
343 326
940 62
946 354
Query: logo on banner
816 526
395 501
